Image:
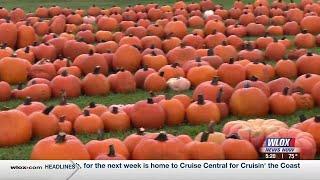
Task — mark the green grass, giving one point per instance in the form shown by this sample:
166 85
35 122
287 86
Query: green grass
23 151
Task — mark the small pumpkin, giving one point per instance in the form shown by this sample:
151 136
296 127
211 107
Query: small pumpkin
237 149
87 123
282 103
213 136
115 120
95 83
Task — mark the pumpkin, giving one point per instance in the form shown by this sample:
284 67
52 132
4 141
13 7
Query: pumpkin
172 71
143 114
253 130
305 40
15 129
5 91
202 111
286 68
87 123
155 82
154 61
44 124
58 24
45 51
214 60
68 84
59 147
69 110
162 147
303 140
112 155
25 53
254 55
97 109
275 50
307 63
209 90
26 36
5 51
223 107
170 43
127 57
43 69
278 85
37 92
311 23
71 69
100 146
213 136
179 84
238 73
303 100
176 28
73 48
214 39
95 83
243 102
174 111
88 62
122 82
310 126
225 51
133 139
8 33
142 74
264 72
64 125
204 149
282 103
115 120
181 54
198 74
307 82
14 70
193 63
238 149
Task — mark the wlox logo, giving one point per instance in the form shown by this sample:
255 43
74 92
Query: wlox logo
279 142
279 145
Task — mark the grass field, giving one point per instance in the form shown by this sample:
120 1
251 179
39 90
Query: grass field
23 151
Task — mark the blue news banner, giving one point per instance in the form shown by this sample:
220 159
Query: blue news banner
168 170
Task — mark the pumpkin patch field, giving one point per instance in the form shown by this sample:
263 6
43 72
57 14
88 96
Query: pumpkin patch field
198 80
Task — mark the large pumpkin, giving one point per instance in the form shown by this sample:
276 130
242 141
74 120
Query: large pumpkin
253 130
65 83
14 70
15 128
127 57
147 114
59 147
95 83
311 126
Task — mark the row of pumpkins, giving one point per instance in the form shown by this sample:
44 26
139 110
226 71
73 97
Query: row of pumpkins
240 140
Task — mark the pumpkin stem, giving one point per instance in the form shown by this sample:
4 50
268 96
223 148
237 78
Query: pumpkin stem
64 73
86 112
210 52
4 45
161 73
302 118
97 70
304 31
246 85
47 110
215 80
152 46
92 105
140 131
182 45
317 119
224 43
204 136
20 86
150 101
62 118
253 78
91 52
153 53
115 110
61 137
162 136
112 152
200 99
27 101
27 49
234 136
285 91
219 95
211 127
174 65
309 53
152 94
231 60
275 39
198 59
145 68
308 75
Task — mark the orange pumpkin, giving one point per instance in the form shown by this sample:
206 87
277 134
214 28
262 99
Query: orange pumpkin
127 57
307 63
87 123
307 82
243 102
311 126
112 155
286 68
5 91
69 110
95 83
15 129
181 54
162 147
202 111
155 82
225 51
59 147
198 74
65 83
282 103
213 136
143 114
237 149
14 70
122 82
174 111
238 73
176 28
133 139
275 50
8 33
115 120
